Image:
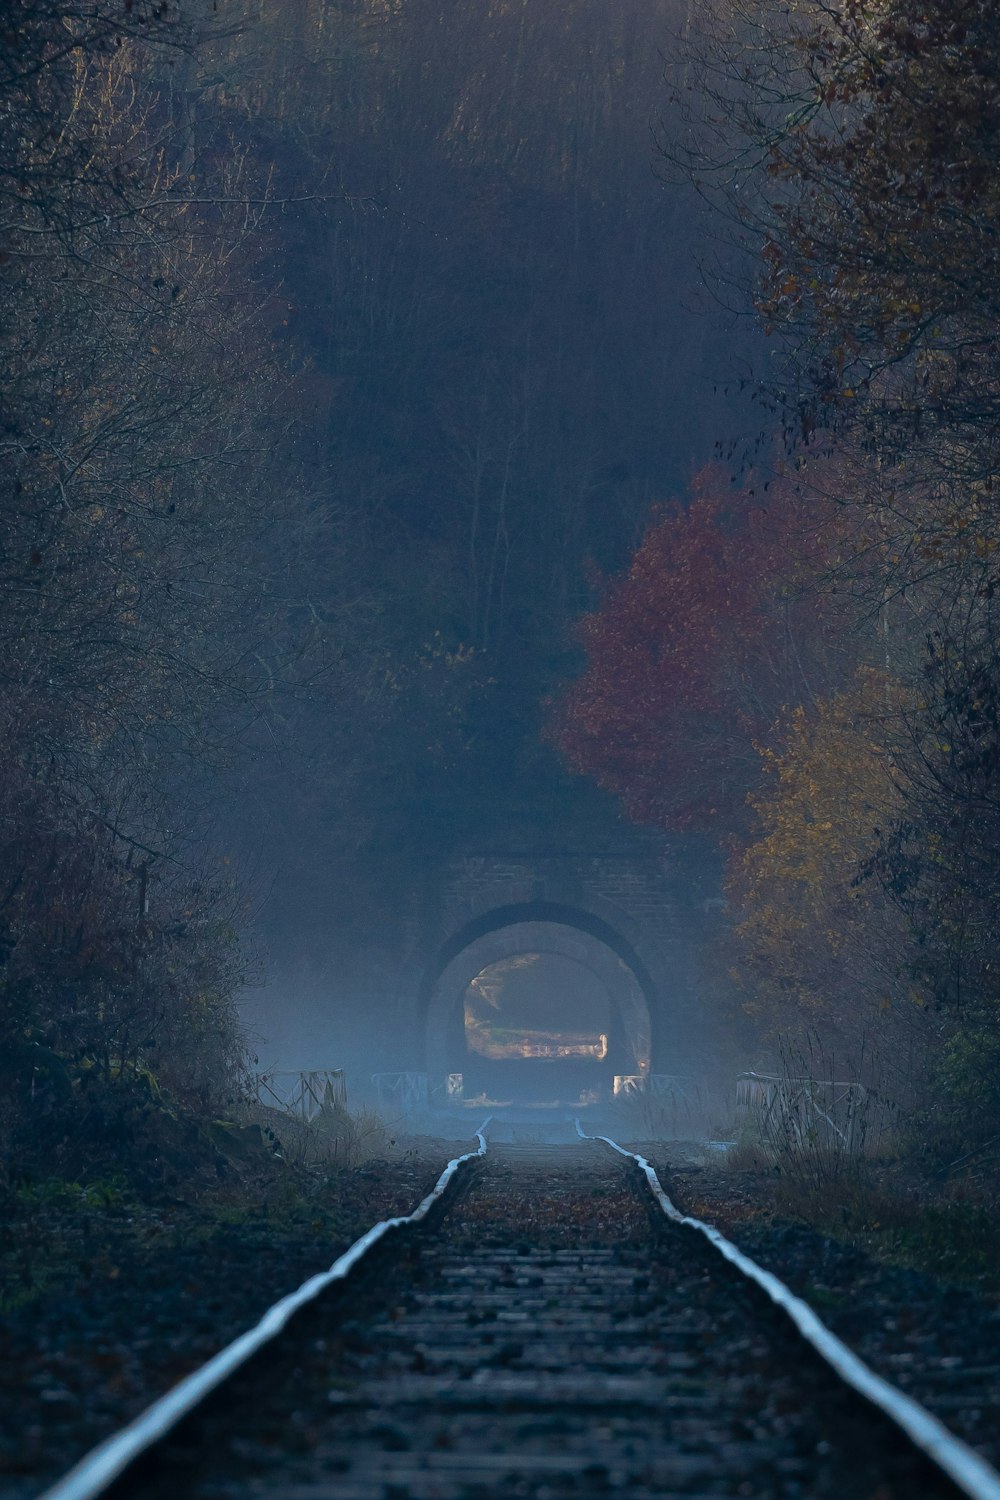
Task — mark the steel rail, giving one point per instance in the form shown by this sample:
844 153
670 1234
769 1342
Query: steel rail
99 1468
962 1464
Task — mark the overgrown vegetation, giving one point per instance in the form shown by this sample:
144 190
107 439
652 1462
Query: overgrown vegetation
171 616
326 388
807 671
281 619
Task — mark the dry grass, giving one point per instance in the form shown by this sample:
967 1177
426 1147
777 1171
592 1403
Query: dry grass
885 1205
334 1139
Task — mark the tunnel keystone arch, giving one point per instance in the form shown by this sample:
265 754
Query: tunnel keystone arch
520 931
625 900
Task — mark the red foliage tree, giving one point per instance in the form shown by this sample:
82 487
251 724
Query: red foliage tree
720 622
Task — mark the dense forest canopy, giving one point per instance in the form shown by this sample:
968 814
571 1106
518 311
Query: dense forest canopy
349 350
346 347
512 357
853 150
499 302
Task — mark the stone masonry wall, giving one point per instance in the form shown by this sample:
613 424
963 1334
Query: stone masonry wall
627 890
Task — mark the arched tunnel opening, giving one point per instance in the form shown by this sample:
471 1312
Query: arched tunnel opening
540 1011
538 1025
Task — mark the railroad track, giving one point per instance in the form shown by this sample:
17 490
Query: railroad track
547 1325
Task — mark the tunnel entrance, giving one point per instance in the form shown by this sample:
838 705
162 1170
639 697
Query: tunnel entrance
537 1011
537 1025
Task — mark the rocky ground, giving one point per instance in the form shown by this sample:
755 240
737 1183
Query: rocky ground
106 1304
935 1337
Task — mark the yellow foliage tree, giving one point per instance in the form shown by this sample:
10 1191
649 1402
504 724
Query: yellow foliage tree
817 945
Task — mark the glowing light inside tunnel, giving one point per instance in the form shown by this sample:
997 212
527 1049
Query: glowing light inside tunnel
537 1005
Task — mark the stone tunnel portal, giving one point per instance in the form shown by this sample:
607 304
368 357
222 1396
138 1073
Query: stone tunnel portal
537 1007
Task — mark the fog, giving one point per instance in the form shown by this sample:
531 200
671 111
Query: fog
515 356
499 620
